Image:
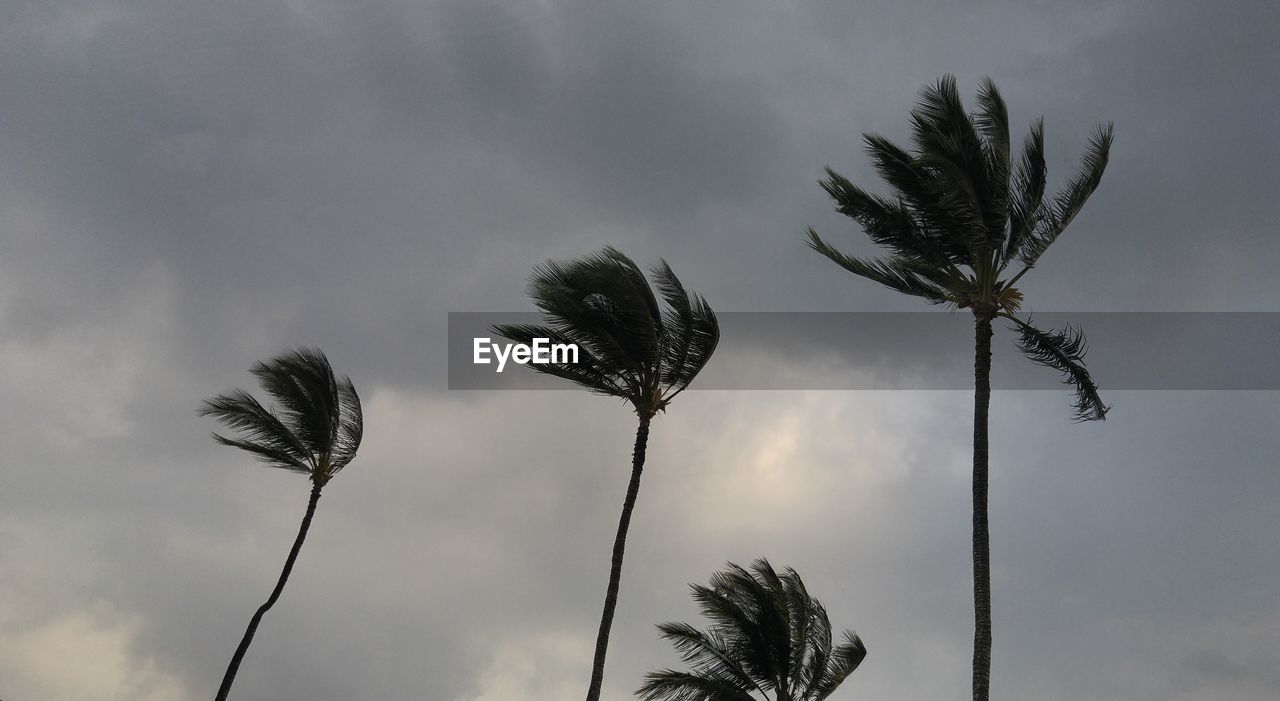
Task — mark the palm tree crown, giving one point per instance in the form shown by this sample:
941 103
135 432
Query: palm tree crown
962 212
630 347
314 426
768 636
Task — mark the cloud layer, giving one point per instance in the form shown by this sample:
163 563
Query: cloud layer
189 187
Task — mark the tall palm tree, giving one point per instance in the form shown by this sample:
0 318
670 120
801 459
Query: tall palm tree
313 428
631 348
768 636
961 213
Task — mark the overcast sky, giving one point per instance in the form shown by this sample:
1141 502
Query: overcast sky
188 187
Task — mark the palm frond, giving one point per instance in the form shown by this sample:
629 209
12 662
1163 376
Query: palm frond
704 339
677 321
670 685
589 372
1064 351
268 454
1071 199
736 620
947 225
262 432
887 222
709 654
818 644
350 425
691 329
801 615
992 119
846 658
301 381
1029 180
896 273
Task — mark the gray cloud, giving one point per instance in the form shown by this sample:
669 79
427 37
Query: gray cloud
188 187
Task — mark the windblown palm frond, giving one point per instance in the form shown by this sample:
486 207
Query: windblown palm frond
769 637
895 272
314 424
630 345
1070 200
1063 351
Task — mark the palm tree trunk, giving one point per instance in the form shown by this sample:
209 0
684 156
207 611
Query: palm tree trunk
981 537
615 572
232 668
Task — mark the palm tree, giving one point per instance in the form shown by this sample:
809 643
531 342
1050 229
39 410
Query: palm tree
629 347
314 429
961 213
768 636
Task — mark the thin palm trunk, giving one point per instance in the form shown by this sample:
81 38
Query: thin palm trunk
234 667
981 538
615 572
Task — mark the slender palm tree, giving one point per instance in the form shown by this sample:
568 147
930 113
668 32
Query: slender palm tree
313 428
629 347
768 636
961 213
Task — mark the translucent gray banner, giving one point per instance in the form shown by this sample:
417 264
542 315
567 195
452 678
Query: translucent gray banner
933 350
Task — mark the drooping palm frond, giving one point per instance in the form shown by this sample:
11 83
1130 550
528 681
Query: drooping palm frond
1064 351
768 635
314 425
629 344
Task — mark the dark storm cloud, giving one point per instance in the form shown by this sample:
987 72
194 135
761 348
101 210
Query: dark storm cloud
187 187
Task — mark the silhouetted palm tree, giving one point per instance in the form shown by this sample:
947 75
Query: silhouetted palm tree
314 428
768 636
630 348
960 214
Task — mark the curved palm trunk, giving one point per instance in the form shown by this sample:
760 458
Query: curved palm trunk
234 667
615 572
981 538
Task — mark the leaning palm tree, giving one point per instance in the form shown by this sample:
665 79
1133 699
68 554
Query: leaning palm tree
961 213
768 636
630 348
314 428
